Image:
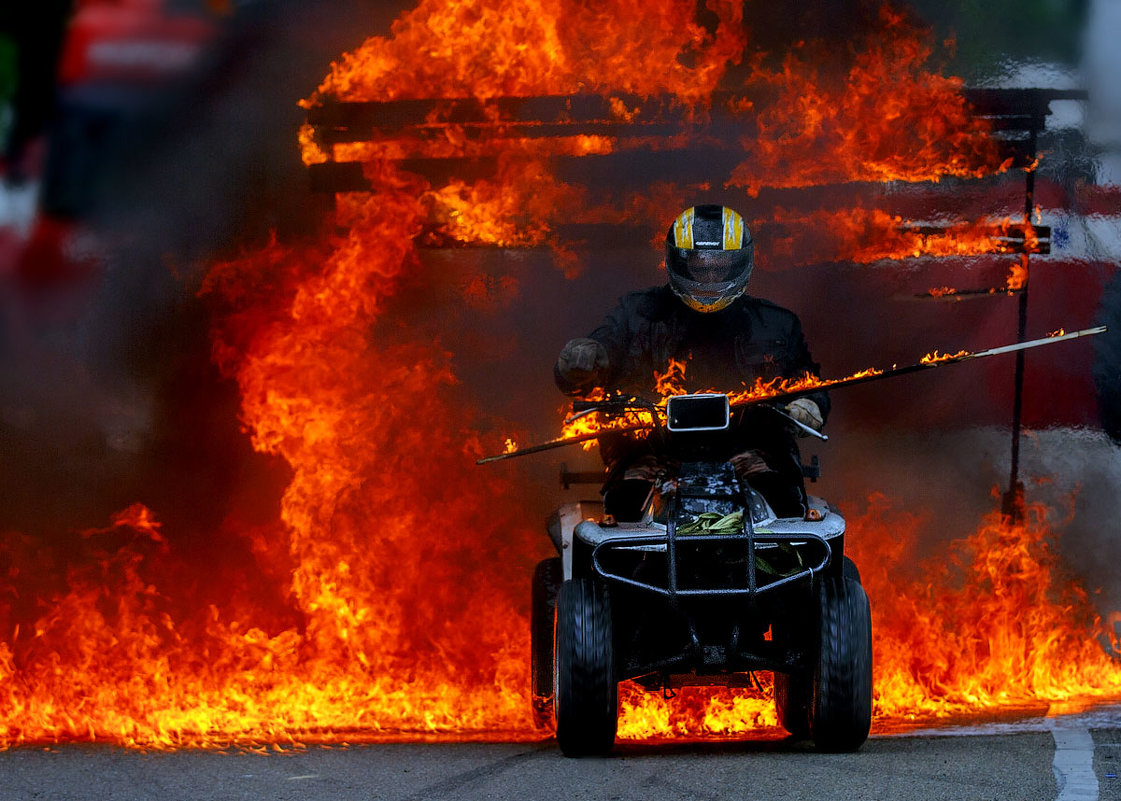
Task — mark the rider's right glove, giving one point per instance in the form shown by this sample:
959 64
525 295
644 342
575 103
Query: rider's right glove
806 412
581 364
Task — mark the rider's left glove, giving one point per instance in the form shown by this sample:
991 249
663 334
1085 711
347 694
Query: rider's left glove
581 365
806 412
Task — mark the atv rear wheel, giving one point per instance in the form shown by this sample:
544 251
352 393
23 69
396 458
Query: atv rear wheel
842 688
586 698
547 579
793 694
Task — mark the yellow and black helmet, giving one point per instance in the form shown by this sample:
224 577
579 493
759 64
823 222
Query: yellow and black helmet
709 257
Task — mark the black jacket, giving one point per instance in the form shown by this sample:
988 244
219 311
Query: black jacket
752 338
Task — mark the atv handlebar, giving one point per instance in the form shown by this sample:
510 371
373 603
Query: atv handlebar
614 404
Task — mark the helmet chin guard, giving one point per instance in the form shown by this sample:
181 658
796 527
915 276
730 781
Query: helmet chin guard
709 257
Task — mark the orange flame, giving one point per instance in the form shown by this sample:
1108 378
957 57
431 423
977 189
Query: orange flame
996 623
137 517
1018 274
869 235
528 47
671 382
817 132
934 357
889 119
362 626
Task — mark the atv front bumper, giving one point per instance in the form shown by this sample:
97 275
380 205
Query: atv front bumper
752 561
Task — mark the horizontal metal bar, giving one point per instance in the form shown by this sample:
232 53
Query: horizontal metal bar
1019 122
1012 239
962 294
395 115
1013 231
775 537
338 176
627 167
391 115
1027 102
714 593
507 130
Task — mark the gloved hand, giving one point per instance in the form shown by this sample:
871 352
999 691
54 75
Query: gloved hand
749 463
581 362
806 412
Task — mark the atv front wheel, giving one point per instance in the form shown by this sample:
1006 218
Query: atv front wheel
842 691
547 579
850 571
585 695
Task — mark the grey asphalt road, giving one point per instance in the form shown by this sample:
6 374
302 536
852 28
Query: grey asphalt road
1070 758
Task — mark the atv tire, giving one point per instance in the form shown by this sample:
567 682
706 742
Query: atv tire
849 570
547 579
842 687
586 692
793 694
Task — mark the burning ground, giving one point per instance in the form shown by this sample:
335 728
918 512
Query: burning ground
309 553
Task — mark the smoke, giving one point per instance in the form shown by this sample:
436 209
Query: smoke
108 394
1077 472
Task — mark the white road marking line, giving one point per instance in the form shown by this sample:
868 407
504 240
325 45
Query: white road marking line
1105 716
1074 762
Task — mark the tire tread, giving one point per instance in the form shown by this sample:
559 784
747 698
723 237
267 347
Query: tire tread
842 703
547 578
586 691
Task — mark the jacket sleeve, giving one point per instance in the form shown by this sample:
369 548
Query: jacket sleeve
614 334
802 362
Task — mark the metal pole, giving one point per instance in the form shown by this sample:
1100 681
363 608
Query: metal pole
1013 502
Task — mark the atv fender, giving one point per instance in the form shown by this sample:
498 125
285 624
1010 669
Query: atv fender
562 525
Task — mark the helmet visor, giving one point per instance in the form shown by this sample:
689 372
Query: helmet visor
708 267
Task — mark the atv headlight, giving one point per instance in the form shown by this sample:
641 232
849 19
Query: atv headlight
708 412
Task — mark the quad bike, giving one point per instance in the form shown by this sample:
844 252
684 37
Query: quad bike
709 585
706 588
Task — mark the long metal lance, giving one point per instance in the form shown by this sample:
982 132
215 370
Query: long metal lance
863 377
938 361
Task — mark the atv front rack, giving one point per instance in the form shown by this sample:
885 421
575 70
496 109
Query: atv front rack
739 551
750 541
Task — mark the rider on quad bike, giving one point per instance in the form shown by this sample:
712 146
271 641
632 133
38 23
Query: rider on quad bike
726 338
706 561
